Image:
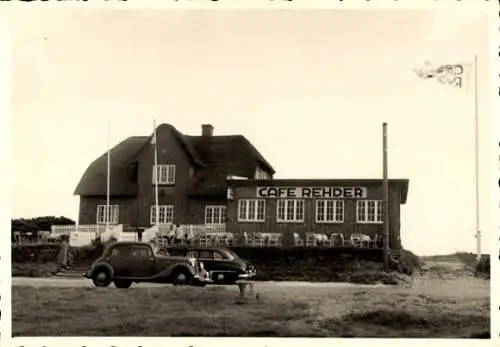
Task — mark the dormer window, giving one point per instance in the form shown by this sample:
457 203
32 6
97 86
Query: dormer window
261 174
164 174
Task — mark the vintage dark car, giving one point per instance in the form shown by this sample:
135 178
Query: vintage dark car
124 263
223 265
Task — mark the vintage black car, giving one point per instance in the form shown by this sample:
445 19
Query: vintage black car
223 265
126 262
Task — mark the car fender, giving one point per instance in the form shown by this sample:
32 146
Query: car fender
100 266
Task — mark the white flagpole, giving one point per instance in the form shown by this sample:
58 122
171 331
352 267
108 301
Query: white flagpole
156 176
385 191
108 184
476 154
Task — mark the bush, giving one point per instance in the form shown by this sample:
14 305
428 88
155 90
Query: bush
483 267
39 253
33 225
408 263
85 255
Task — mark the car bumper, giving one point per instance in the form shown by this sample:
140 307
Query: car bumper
248 274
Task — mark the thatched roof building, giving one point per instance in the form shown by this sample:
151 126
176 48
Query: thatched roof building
212 157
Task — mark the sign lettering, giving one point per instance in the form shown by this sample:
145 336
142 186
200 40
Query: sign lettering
313 192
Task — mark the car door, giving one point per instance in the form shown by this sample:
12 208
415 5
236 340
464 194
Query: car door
215 263
142 262
119 258
205 256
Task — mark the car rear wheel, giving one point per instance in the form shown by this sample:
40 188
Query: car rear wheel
122 284
182 276
101 278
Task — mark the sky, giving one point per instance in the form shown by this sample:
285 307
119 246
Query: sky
310 89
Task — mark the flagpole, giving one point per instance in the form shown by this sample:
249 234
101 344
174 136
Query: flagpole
476 155
156 175
385 191
108 183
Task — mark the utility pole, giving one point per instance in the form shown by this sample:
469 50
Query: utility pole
385 189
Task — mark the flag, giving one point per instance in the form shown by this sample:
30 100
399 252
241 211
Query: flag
453 75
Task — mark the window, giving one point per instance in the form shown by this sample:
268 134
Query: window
329 211
251 210
141 251
261 174
164 174
120 250
107 214
290 211
369 211
215 214
165 214
205 255
218 256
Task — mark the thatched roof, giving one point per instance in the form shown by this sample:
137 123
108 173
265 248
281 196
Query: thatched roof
224 155
213 158
123 178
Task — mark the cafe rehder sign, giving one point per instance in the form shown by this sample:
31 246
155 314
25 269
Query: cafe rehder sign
313 192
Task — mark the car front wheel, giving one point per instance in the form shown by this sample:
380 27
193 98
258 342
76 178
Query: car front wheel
182 276
101 278
122 284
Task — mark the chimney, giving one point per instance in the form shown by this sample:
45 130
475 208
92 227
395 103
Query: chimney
207 130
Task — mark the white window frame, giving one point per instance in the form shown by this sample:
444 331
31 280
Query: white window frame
296 203
330 211
166 214
107 213
164 173
212 218
261 174
364 206
248 210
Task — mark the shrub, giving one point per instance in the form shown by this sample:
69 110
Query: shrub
39 253
34 269
408 263
483 267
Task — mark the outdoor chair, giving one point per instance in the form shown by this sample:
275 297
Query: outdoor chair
248 240
323 240
258 241
203 241
229 241
311 240
298 241
360 240
274 240
336 240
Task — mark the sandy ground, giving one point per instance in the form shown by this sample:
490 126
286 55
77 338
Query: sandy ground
265 286
432 307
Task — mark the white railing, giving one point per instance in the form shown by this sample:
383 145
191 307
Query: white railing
200 229
82 235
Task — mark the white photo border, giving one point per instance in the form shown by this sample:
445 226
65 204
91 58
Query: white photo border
6 175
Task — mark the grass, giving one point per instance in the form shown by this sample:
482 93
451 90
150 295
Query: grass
433 307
